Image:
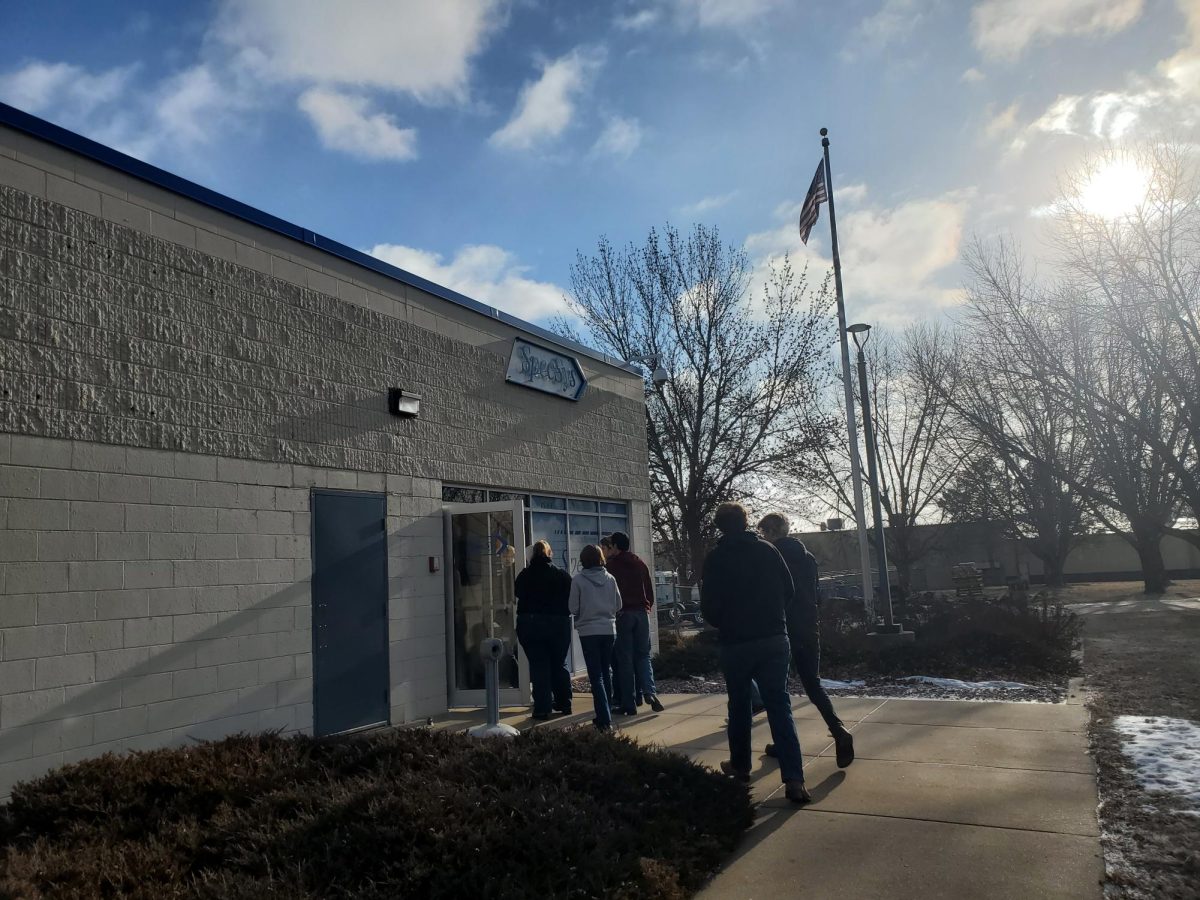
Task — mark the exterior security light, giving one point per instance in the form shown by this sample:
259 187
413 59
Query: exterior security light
403 403
659 376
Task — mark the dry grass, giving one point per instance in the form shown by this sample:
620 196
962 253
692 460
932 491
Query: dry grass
1141 658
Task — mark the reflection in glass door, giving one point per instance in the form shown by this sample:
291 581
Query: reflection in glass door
485 549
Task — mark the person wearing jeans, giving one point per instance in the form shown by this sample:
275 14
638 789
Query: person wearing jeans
804 630
544 630
745 591
594 601
635 672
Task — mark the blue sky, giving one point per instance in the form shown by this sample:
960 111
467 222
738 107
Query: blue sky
481 143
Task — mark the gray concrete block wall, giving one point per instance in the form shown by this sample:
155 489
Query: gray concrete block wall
173 606
118 328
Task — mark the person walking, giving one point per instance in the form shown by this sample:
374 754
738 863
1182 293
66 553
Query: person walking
594 601
544 630
612 673
744 592
634 669
804 629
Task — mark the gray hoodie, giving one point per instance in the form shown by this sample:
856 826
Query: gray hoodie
594 602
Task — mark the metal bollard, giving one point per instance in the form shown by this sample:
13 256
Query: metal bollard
492 651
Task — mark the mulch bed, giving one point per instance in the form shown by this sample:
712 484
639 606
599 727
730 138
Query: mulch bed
407 813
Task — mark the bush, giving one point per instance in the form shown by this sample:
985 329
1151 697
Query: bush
685 656
973 639
402 814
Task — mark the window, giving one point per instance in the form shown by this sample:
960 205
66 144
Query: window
581 506
453 494
548 502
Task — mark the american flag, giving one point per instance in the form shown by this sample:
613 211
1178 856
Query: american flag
811 211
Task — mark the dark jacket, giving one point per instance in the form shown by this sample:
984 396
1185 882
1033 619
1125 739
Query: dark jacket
543 589
633 580
746 588
802 565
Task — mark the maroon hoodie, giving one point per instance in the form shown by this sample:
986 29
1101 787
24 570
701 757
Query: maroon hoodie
633 580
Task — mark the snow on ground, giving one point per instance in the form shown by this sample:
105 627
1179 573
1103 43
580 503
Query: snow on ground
953 684
1165 754
832 684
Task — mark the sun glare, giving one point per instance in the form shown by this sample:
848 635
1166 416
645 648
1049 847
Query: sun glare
1115 190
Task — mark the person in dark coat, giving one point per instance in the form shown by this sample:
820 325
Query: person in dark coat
745 591
804 630
544 630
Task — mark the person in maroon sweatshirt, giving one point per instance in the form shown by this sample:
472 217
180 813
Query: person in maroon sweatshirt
634 671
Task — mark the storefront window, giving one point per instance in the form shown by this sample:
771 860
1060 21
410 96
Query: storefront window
568 523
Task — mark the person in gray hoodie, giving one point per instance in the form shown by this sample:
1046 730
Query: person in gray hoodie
594 602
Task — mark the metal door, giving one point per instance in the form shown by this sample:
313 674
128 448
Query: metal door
485 549
349 601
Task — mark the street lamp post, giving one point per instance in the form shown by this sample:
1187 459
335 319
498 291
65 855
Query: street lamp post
886 624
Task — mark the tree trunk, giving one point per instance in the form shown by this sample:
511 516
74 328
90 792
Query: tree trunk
1148 545
1052 567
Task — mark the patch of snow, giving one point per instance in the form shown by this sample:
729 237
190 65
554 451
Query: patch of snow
831 684
956 685
1165 754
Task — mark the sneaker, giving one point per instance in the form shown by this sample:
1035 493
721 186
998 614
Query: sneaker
797 792
563 710
844 744
655 703
728 768
603 729
625 712
769 750
540 717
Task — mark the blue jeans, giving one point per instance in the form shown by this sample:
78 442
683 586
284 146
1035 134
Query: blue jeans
635 675
764 661
546 640
597 656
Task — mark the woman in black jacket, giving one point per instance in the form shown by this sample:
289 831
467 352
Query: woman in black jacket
544 630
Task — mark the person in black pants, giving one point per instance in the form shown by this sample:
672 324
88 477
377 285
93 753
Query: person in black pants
544 630
804 629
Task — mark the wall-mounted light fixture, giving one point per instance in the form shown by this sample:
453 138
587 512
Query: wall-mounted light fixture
403 403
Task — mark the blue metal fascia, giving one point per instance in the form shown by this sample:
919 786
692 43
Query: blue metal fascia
77 143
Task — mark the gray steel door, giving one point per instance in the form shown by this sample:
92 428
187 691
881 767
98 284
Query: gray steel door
349 597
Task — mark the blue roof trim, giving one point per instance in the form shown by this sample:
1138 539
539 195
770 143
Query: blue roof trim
77 143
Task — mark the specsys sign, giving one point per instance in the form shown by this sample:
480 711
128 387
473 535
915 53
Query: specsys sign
545 370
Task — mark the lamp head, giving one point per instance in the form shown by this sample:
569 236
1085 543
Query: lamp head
857 329
659 376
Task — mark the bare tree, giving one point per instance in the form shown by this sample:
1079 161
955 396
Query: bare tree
1099 411
1025 460
741 376
915 458
1136 276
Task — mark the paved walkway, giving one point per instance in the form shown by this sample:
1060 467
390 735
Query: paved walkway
947 799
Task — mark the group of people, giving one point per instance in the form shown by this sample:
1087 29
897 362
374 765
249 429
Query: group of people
611 599
759 590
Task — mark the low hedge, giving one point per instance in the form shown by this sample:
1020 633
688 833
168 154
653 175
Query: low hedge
977 638
403 814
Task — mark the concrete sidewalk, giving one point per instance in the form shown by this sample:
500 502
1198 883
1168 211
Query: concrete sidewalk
946 799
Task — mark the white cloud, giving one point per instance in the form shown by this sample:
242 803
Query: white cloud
894 21
39 87
345 122
484 272
188 103
1002 122
1166 100
724 13
972 76
619 139
895 260
1003 29
638 21
407 46
707 204
545 107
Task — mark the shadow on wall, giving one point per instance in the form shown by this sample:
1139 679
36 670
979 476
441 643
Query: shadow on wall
192 706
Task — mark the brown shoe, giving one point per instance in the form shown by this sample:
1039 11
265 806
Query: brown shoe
797 792
728 769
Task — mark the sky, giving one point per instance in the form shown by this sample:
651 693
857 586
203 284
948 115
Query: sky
482 143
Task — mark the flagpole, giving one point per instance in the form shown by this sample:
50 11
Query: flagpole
851 429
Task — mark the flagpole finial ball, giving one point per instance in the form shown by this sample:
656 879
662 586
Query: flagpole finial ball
824 131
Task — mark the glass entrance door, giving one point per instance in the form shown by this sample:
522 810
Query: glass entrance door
485 549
